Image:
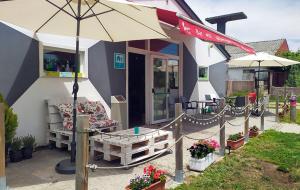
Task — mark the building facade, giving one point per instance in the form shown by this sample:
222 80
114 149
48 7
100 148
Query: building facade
154 75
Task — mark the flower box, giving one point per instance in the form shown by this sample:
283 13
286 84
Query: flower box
253 133
155 186
236 144
201 164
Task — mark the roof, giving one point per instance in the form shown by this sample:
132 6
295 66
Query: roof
270 46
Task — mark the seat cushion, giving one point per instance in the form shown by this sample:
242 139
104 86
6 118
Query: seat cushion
94 107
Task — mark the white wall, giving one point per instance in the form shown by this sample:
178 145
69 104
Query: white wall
205 54
31 107
235 74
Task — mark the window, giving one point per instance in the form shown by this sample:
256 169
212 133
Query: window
248 74
202 73
61 62
164 47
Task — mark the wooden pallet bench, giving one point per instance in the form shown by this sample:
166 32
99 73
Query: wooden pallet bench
56 134
130 149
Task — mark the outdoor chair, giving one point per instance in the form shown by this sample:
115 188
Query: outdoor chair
60 121
239 104
188 105
214 105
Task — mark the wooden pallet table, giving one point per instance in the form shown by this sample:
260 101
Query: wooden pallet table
130 149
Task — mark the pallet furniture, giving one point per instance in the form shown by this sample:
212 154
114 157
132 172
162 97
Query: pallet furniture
130 148
56 134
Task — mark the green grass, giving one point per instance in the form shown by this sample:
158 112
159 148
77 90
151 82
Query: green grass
256 166
286 118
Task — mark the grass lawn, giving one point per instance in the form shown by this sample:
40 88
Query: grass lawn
271 161
286 118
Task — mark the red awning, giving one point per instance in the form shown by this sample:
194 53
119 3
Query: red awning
198 30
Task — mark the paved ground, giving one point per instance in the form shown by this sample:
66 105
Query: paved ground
39 174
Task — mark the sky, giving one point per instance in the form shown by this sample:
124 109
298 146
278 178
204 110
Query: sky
267 19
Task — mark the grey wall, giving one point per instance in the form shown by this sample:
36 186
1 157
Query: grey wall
19 63
107 80
189 73
218 77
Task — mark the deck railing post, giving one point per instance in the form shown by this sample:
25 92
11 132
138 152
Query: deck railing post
246 125
2 148
178 146
222 128
262 117
82 152
277 108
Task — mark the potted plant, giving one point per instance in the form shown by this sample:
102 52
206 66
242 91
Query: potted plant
202 154
28 144
15 153
152 179
235 141
11 124
253 132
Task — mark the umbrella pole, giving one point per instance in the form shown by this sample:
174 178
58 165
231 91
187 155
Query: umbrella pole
68 166
257 87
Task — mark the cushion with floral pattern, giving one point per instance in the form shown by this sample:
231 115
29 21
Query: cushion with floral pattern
94 107
65 110
68 123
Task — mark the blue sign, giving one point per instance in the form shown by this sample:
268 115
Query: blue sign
119 61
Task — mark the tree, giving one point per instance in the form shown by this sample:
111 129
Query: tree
294 70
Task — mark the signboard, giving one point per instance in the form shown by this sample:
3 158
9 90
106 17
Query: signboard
119 61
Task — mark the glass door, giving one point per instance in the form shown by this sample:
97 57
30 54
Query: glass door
164 88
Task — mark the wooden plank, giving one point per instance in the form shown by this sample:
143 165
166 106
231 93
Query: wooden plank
178 146
82 153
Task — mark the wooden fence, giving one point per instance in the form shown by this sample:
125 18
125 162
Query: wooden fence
281 90
235 86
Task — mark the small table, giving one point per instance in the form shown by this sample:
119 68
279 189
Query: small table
127 147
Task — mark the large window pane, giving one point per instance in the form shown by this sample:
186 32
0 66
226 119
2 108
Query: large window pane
164 47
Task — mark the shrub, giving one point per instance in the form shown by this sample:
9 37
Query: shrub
28 141
236 136
254 128
16 144
10 121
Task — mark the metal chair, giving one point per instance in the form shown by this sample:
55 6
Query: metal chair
188 105
213 105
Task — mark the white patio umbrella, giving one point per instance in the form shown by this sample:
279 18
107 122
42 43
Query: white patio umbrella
94 19
259 60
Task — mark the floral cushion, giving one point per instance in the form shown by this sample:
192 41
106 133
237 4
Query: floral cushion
103 123
65 110
94 108
98 117
68 123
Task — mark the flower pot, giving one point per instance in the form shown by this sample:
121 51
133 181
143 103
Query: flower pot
253 133
27 152
155 186
201 164
15 155
235 144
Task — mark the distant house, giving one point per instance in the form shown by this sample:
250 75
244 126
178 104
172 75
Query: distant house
245 75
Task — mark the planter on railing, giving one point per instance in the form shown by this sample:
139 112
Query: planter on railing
203 163
235 144
155 186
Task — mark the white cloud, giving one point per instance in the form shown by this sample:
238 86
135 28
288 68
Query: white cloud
267 19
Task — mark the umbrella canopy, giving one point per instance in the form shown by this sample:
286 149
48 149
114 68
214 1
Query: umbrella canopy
93 19
262 59
100 19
